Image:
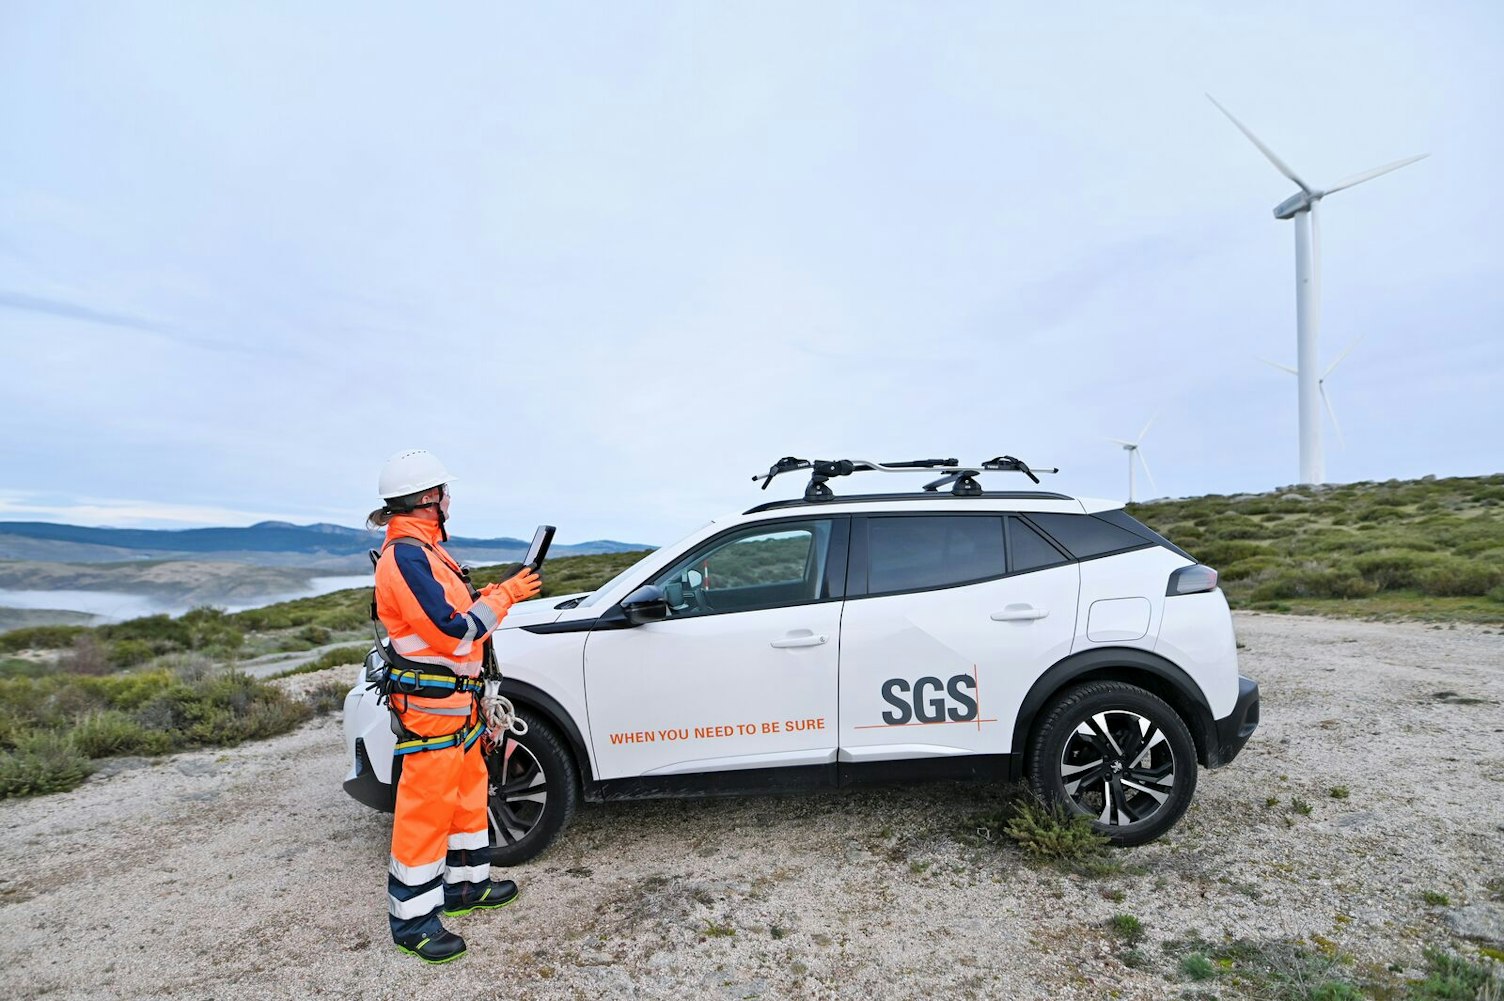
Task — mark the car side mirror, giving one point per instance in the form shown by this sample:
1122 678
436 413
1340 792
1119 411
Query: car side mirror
646 604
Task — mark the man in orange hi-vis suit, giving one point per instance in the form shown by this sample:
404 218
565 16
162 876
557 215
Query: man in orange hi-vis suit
438 627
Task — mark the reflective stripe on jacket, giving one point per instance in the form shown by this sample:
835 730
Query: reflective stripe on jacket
425 604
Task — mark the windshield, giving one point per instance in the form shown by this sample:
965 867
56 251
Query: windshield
607 587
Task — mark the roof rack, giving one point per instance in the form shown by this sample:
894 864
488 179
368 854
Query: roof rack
961 479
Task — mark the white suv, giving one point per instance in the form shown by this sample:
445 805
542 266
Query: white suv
833 641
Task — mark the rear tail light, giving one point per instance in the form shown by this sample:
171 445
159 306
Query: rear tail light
1192 580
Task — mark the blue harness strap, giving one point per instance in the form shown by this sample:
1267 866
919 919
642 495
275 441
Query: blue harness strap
412 681
465 737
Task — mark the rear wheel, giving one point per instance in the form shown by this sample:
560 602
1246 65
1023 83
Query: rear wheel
534 791
1118 754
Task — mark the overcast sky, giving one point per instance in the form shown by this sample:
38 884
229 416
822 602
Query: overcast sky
610 260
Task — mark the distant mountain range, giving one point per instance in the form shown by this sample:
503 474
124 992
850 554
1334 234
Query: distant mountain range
269 543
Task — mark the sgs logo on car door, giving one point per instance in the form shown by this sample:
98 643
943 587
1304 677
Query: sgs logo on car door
930 700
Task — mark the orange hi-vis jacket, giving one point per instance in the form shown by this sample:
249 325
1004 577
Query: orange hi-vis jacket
425 604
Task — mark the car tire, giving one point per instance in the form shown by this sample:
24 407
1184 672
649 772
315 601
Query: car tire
1116 753
523 769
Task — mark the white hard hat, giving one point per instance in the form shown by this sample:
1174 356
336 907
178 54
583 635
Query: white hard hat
410 472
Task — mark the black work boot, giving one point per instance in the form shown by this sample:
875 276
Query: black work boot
495 893
439 947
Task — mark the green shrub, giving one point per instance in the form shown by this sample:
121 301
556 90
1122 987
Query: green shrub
1128 928
1455 577
13 727
40 638
1390 569
140 712
1238 528
162 633
1219 553
1053 832
130 653
1475 536
314 635
42 763
1314 582
15 667
1284 970
1244 569
328 697
113 732
1452 978
221 711
1197 967
212 629
127 691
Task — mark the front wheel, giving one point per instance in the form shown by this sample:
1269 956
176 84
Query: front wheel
1118 754
534 790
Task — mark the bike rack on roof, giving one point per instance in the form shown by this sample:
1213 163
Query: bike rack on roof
961 479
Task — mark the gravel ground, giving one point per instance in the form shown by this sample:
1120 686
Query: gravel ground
248 873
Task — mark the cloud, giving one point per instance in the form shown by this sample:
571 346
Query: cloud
116 512
74 311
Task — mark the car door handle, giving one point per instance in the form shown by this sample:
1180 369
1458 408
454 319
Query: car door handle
1019 613
801 638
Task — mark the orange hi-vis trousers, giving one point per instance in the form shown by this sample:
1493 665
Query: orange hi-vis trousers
440 840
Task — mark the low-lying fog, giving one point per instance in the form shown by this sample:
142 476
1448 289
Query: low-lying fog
116 606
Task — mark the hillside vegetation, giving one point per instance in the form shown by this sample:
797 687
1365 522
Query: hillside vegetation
70 695
1427 549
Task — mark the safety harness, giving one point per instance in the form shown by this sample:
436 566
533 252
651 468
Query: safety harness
465 737
403 678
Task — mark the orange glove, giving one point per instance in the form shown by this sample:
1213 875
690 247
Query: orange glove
526 584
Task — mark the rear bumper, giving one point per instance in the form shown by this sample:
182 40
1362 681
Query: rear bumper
1230 733
365 787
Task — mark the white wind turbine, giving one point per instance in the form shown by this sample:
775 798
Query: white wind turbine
1301 207
1326 401
1132 448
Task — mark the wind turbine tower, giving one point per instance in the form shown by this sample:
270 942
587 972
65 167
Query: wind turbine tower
1132 448
1301 207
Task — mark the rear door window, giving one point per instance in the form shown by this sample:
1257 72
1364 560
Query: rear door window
918 552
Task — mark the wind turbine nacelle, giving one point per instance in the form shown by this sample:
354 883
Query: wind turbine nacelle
1292 206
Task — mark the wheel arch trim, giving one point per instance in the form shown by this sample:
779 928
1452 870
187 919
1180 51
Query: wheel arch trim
524 695
1149 671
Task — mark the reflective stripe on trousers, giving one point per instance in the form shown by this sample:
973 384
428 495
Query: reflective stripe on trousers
440 839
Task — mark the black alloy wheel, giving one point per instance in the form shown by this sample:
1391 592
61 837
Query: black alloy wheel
1117 754
533 791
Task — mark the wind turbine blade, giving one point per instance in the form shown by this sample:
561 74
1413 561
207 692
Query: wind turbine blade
1332 414
1269 153
1119 441
1369 175
1145 431
1282 368
1146 469
1345 352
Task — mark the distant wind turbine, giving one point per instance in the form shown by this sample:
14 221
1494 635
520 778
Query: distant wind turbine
1132 448
1301 207
1326 401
